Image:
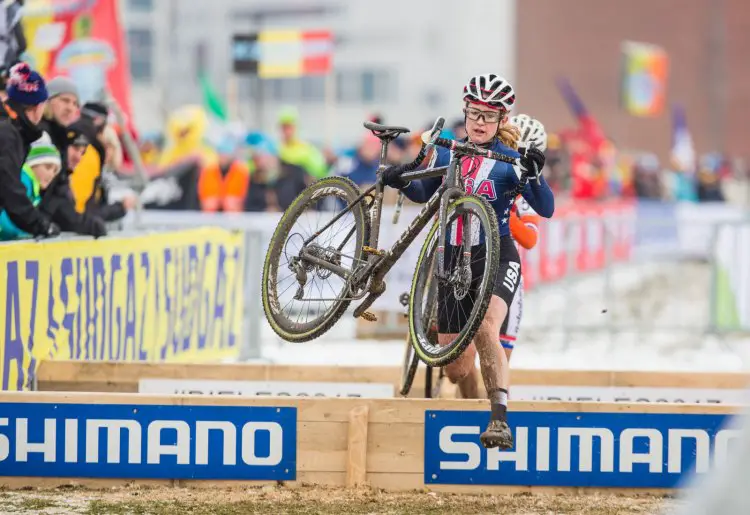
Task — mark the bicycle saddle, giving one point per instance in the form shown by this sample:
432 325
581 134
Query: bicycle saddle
385 131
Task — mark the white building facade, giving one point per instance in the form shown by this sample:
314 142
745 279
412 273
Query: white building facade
406 60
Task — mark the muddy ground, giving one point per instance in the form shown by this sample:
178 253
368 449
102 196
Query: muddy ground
313 499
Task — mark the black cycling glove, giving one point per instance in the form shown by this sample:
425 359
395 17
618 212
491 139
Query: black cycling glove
392 177
530 157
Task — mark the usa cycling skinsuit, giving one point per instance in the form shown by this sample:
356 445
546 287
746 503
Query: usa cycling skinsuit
495 181
524 229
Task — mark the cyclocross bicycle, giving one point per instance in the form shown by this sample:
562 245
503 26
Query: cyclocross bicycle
324 253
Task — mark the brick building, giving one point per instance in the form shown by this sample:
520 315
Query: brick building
708 42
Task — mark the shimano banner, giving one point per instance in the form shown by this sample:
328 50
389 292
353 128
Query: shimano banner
148 441
626 450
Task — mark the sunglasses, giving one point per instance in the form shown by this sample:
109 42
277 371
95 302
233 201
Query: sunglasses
488 116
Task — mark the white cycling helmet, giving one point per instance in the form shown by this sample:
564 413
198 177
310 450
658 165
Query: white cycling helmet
532 131
492 90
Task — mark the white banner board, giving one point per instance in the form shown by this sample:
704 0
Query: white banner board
629 394
265 388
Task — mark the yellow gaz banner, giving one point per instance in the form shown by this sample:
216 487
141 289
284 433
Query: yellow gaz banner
173 296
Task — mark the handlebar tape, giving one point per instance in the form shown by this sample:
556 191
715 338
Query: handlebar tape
473 150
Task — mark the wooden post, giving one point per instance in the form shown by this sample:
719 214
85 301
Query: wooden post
356 455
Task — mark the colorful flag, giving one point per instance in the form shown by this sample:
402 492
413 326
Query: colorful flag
84 40
212 101
284 53
644 78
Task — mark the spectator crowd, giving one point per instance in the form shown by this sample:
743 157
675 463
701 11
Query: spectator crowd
63 166
54 157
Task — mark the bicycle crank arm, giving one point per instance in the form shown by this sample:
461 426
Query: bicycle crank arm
369 301
377 287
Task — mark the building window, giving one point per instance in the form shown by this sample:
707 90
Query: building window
141 5
282 90
314 88
364 86
141 47
347 86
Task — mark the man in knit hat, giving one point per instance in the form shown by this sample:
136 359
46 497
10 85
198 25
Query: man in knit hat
20 115
62 110
42 165
60 121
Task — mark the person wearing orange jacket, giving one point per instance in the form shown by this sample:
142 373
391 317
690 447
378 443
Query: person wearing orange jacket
524 228
223 184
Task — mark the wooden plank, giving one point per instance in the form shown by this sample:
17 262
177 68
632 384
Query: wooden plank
124 377
395 447
119 376
381 410
356 458
322 461
322 436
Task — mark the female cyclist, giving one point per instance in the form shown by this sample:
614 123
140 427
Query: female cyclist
488 99
524 227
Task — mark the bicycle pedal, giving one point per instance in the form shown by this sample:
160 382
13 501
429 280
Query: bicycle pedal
372 250
369 316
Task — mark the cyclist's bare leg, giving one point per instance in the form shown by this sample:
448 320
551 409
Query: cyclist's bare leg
462 371
508 352
492 359
495 374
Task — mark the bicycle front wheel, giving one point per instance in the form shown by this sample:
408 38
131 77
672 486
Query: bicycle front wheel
465 292
411 359
316 246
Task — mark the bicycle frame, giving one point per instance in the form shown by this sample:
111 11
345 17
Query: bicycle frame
379 263
375 214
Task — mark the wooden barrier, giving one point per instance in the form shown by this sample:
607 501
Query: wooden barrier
343 441
92 376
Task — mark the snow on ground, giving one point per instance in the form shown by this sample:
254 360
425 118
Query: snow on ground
642 316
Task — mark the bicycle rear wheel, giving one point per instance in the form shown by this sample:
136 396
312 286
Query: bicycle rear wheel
302 299
469 282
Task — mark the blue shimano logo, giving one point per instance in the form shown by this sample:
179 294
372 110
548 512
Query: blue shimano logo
581 449
216 442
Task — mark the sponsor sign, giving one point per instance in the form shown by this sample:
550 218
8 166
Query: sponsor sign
148 441
627 450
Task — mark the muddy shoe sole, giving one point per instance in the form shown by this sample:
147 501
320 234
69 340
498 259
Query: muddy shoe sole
492 439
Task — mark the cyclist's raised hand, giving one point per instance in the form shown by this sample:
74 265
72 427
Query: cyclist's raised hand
532 161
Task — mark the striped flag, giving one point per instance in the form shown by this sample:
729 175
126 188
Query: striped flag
293 53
